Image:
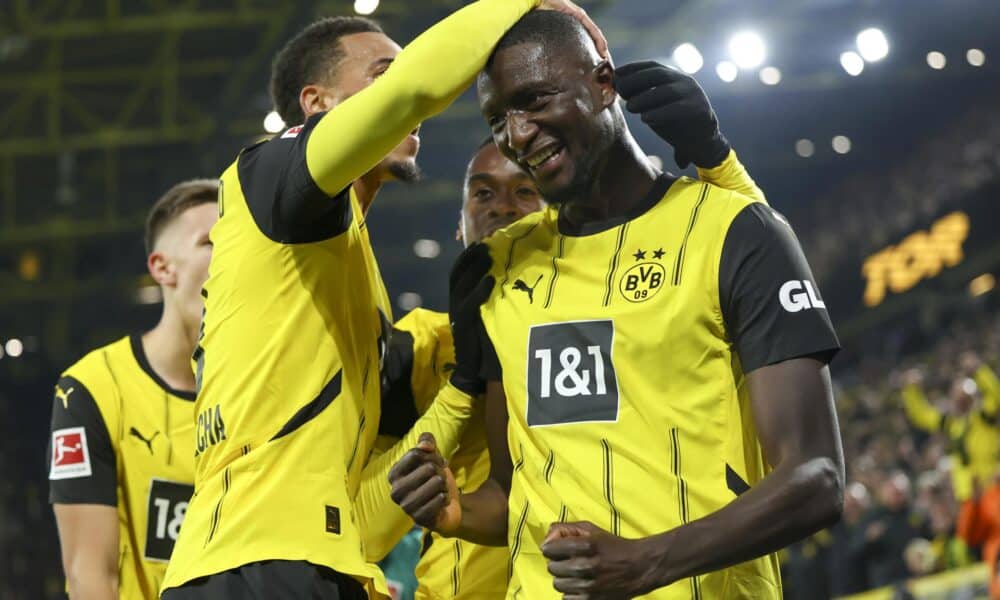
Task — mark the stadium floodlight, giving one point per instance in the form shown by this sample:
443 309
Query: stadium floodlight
14 347
872 44
273 122
426 248
770 75
805 148
841 144
687 57
727 71
365 7
976 57
936 60
747 49
852 63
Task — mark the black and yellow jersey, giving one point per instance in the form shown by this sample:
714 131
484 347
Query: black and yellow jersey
419 361
623 348
122 437
973 440
296 319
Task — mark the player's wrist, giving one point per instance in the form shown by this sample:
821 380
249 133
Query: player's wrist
704 155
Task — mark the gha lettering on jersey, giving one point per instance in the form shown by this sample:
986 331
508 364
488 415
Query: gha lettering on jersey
796 295
211 429
920 256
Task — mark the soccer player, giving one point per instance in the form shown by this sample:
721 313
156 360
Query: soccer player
121 463
296 313
496 193
663 419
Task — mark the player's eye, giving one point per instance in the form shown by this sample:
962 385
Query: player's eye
483 194
527 191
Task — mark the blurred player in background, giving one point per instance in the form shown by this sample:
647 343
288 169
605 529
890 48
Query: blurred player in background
121 463
969 423
671 420
497 193
297 316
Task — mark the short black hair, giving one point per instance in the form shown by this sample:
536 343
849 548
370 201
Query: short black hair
310 57
174 202
545 27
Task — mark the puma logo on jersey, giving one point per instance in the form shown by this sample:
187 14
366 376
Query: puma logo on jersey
797 295
64 395
149 443
520 286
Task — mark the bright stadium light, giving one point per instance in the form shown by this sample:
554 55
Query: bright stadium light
687 57
982 284
14 347
747 49
409 300
727 71
936 60
852 63
365 7
273 122
805 148
841 144
976 57
872 44
426 248
770 76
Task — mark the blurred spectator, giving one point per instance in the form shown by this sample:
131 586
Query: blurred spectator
979 525
969 422
847 571
883 535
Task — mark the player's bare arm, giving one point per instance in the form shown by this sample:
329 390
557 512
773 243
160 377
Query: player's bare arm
793 409
88 535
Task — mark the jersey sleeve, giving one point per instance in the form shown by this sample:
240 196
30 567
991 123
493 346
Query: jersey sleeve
920 412
81 457
426 77
770 302
732 175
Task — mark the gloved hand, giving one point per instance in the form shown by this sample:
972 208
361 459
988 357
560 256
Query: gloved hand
676 108
470 284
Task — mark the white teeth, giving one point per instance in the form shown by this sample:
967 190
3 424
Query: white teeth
538 159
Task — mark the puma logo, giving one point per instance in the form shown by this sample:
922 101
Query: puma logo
520 286
149 443
64 396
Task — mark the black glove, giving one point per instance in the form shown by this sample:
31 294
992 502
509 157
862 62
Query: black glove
676 108
470 284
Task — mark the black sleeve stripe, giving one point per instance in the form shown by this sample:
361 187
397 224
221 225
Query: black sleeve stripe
73 409
770 302
286 203
399 409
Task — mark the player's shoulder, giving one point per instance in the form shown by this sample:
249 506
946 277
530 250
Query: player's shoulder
96 370
424 321
528 225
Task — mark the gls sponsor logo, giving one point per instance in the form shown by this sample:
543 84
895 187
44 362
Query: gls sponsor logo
796 295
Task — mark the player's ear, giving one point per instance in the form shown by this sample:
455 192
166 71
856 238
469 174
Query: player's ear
161 269
604 79
315 99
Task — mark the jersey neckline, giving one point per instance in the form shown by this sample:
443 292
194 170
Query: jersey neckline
135 340
661 184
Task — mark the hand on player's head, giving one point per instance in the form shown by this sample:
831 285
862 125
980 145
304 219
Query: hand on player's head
571 9
676 108
424 487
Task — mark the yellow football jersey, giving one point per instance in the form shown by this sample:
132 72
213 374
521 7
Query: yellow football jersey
122 437
296 318
422 353
623 348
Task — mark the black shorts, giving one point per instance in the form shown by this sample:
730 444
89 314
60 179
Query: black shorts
271 580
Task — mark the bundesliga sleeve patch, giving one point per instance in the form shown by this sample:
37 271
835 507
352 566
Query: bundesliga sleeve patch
70 456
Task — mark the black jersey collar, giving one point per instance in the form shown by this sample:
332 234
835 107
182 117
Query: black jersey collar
652 198
135 340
